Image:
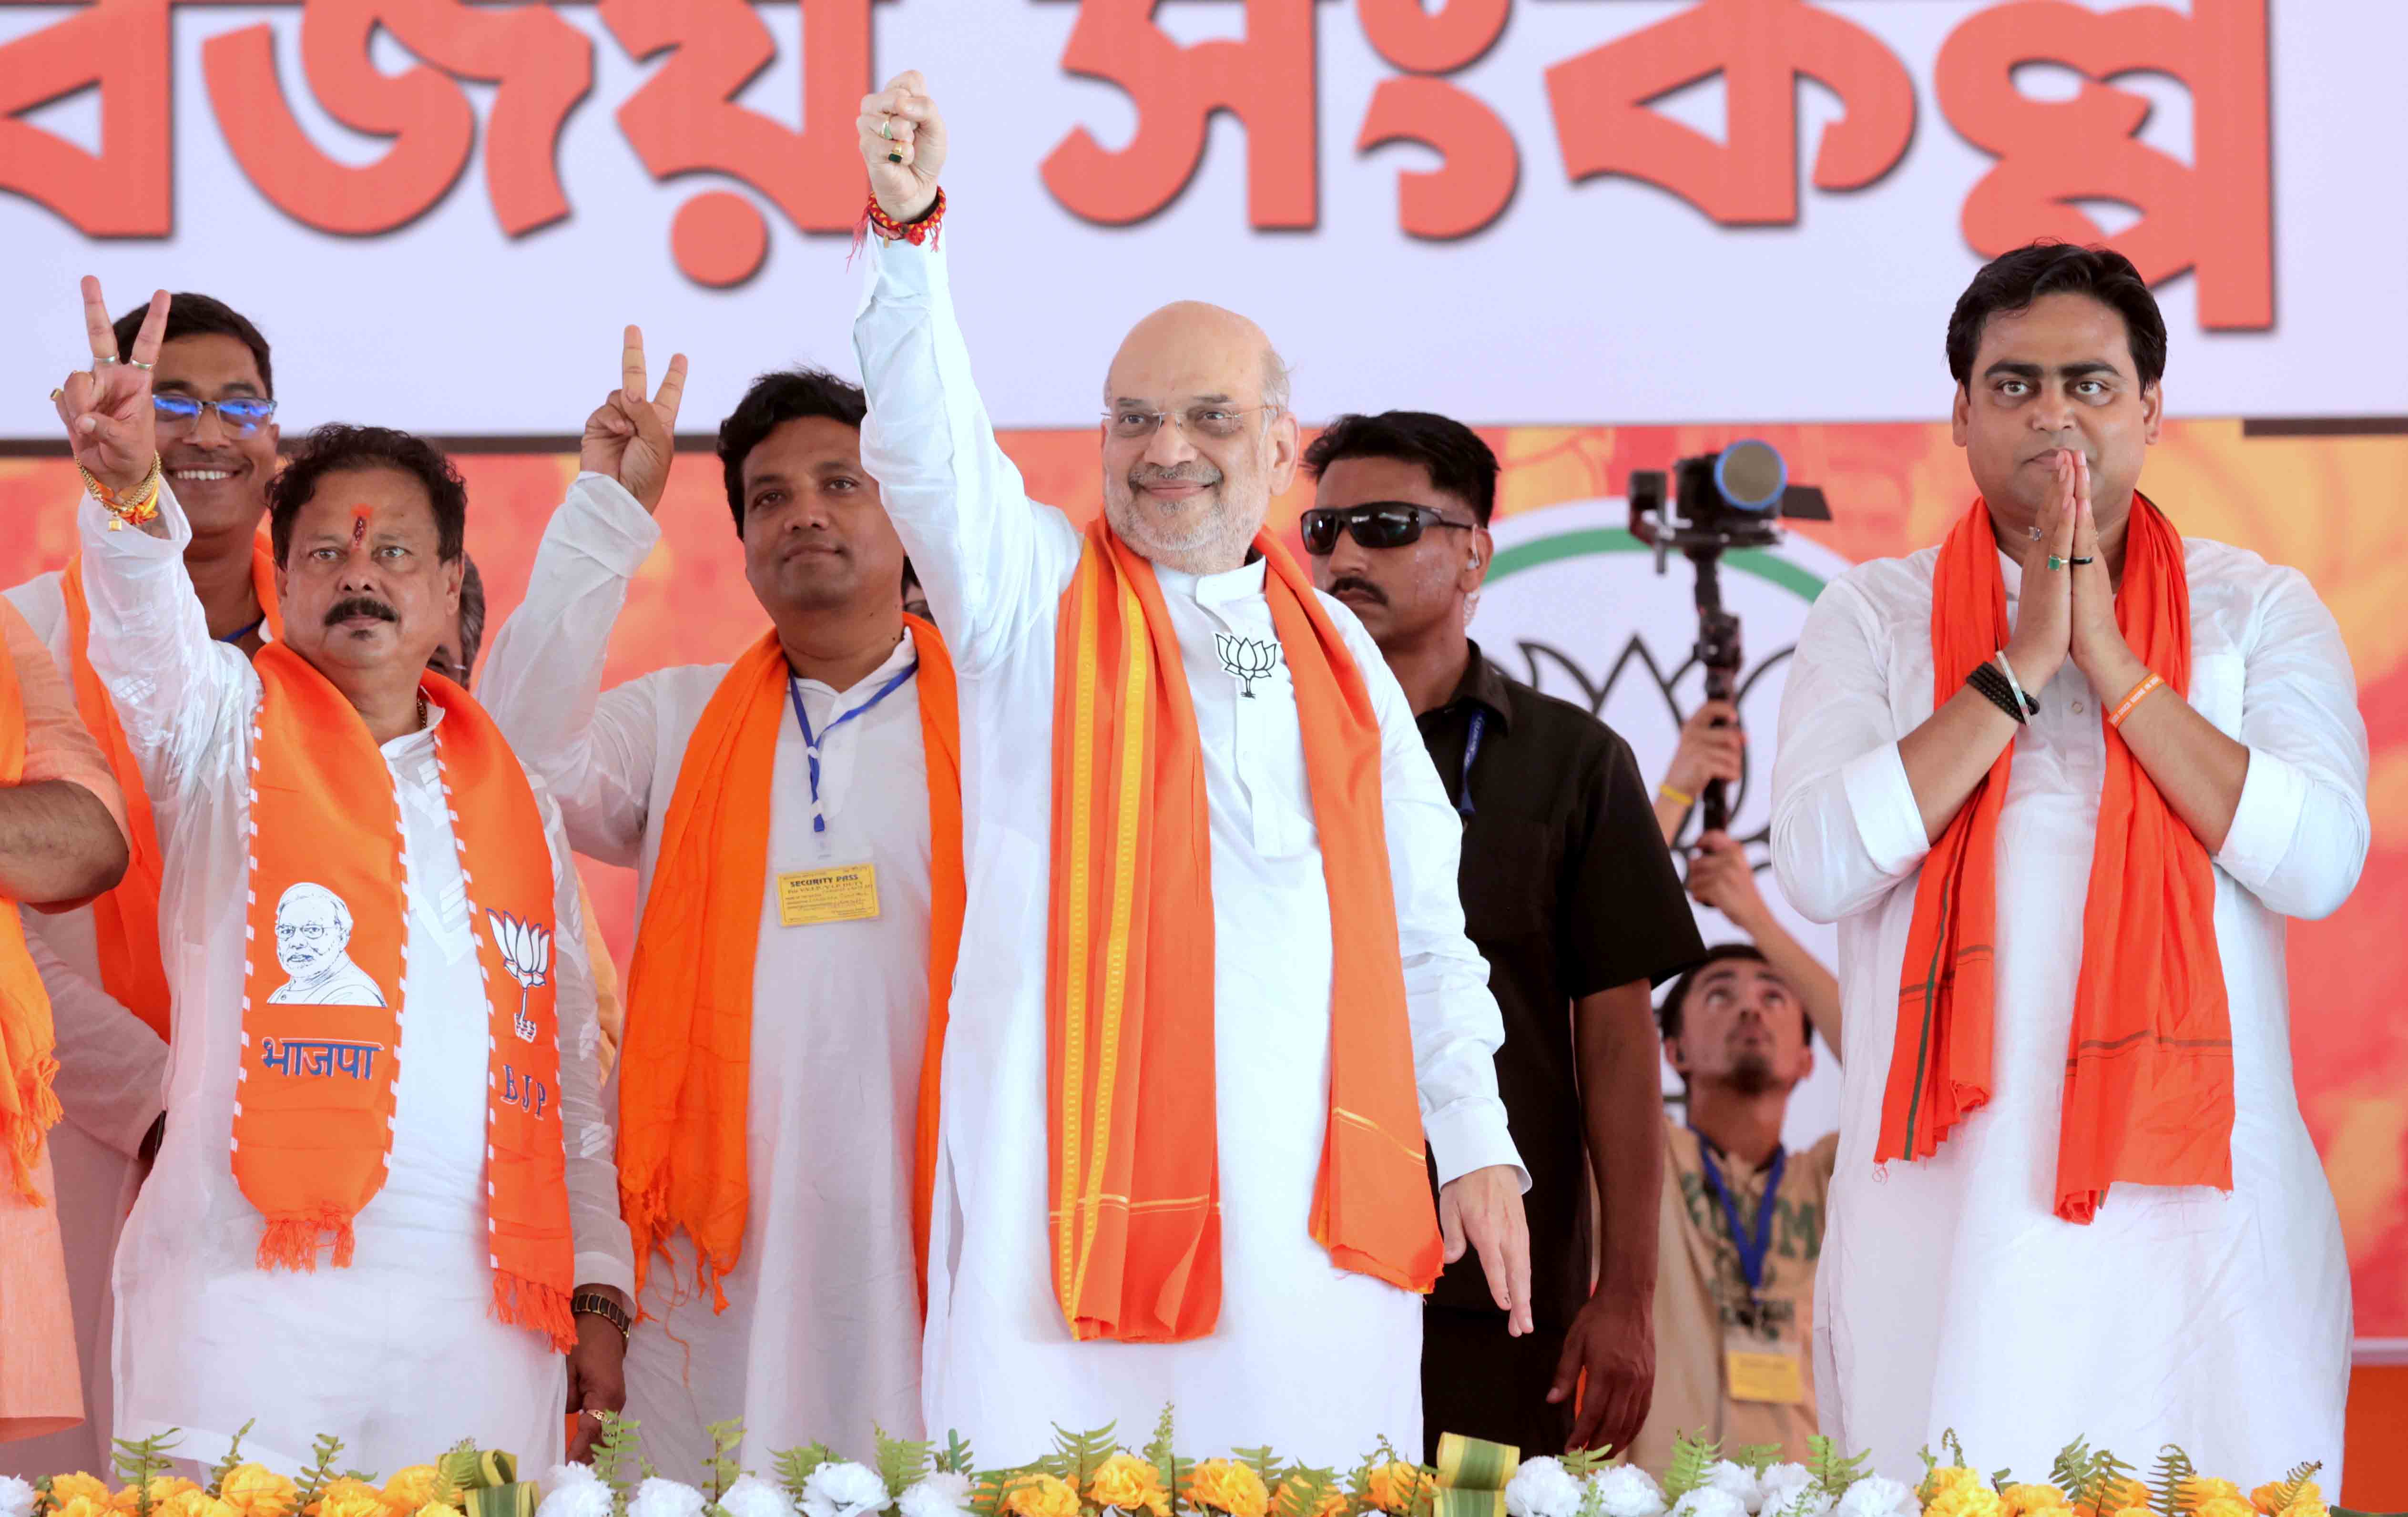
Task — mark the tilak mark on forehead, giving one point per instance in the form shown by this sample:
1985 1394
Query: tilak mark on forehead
359 524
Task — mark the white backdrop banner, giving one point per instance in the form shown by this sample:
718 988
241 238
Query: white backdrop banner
1512 210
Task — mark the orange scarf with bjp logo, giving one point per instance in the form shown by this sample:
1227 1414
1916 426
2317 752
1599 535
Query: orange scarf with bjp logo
1135 1181
125 921
685 1070
2149 1068
27 1061
326 971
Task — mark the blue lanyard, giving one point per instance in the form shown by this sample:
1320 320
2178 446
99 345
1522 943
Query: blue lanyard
1752 1251
812 743
240 634
1470 752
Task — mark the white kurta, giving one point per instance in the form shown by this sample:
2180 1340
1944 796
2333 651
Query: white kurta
821 1337
112 1071
1310 1358
1950 1296
397 1354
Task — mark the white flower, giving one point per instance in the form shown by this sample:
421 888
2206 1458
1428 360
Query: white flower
1878 1496
1737 1481
1807 1500
16 1496
943 1493
574 1490
1705 1501
1543 1488
1783 1482
750 1497
657 1497
839 1489
1627 1491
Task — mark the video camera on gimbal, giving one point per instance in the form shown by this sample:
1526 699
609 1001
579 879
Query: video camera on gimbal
1721 501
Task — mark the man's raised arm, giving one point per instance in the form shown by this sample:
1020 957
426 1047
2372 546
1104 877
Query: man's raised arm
989 557
151 642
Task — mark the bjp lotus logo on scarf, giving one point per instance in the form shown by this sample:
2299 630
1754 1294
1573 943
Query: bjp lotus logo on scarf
526 952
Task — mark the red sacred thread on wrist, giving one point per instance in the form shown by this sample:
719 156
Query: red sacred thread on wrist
922 230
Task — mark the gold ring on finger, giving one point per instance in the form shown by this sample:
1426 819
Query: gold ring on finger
56 393
886 129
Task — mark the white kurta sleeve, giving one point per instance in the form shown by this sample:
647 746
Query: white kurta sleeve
169 680
543 678
1456 1026
2299 835
991 559
112 1067
1845 827
606 1254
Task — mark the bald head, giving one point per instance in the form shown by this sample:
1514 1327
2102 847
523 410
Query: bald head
1189 490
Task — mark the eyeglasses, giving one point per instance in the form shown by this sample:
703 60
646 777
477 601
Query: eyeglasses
242 417
1129 425
1381 523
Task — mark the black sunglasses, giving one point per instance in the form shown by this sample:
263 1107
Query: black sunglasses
1380 523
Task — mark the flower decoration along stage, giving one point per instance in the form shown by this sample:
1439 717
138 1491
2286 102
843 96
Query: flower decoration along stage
1092 1475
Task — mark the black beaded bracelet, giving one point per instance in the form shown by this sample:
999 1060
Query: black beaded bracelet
1993 685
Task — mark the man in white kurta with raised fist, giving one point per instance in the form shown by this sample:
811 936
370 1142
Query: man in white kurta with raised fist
1215 988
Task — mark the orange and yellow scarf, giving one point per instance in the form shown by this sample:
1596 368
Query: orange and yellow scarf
125 921
27 1062
2148 1081
1135 1181
685 1070
313 1119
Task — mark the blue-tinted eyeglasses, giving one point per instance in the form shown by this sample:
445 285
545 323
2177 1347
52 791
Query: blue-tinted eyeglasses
242 416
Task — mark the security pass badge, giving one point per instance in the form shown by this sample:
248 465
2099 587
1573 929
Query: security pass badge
1762 1361
1247 659
844 893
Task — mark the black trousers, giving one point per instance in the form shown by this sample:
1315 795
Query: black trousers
1479 1381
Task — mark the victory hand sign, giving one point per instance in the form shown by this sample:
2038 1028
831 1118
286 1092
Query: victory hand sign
631 438
903 142
107 407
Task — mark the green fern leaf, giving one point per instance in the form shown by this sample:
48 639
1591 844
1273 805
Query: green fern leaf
2301 1474
140 1461
2106 1475
2172 1471
794 1466
1301 1489
2071 1466
1693 1458
900 1465
1580 1464
1262 1462
320 1474
232 1462
1999 1479
1757 1457
955 1458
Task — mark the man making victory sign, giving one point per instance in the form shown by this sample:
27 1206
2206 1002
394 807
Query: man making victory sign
385 1217
1224 990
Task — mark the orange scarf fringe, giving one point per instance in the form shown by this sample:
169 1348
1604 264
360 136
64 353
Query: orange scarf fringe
28 1108
2148 1086
1135 1183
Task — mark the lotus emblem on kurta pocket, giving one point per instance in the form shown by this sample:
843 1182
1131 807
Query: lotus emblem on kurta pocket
526 952
1246 659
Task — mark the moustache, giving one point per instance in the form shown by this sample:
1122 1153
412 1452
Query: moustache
1147 474
1368 591
343 610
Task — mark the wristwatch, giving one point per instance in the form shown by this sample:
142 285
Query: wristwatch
596 1304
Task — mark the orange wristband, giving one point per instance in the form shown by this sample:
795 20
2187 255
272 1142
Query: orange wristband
2140 692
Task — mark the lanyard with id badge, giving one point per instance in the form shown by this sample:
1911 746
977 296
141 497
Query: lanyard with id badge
840 892
1761 1361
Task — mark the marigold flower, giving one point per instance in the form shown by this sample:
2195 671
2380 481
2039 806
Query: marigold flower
1395 1486
192 1503
1332 1503
2200 1489
257 1491
2307 1506
2116 1500
2023 1498
65 1488
1967 1500
1127 1483
349 1498
83 1506
162 1488
1946 1480
1226 1485
2224 1506
1040 1496
410 1489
